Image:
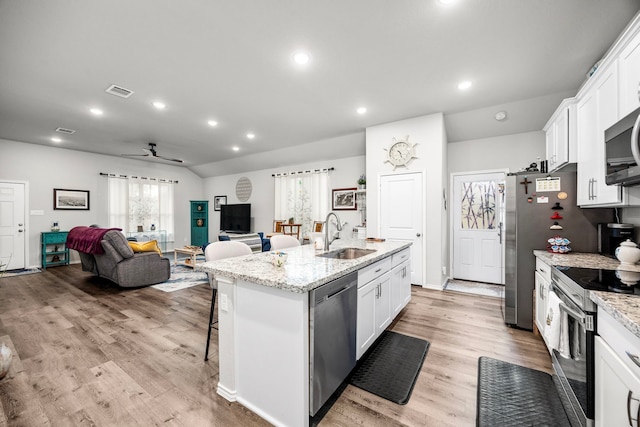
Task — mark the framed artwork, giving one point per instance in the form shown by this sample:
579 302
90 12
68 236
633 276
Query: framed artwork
71 200
219 200
344 199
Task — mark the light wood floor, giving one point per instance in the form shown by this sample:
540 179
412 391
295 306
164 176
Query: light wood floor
89 353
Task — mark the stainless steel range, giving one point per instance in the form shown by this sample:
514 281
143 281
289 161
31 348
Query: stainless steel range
573 353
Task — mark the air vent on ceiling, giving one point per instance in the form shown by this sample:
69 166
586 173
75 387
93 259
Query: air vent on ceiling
119 91
65 130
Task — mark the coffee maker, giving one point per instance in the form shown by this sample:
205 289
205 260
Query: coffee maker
611 235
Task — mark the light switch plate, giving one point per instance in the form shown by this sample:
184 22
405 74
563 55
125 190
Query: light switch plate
224 306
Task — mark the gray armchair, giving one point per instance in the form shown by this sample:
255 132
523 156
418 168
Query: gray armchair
122 266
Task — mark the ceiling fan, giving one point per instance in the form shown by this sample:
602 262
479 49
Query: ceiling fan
151 152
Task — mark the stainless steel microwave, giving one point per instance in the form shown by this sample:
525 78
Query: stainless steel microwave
622 151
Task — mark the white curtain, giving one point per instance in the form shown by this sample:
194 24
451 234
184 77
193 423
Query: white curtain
142 202
303 197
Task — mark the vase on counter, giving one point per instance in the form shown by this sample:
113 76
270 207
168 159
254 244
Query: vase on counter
628 253
5 359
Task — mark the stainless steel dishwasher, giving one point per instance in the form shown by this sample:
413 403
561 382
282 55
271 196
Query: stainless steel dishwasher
332 337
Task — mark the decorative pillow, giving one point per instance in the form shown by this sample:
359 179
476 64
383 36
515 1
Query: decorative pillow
150 246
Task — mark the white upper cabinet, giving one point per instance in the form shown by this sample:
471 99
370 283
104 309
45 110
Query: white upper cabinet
629 70
561 136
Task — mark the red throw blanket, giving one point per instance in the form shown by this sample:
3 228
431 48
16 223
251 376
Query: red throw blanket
87 239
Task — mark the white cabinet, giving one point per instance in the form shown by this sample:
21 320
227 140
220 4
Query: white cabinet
617 373
400 281
561 137
629 72
374 311
542 284
596 110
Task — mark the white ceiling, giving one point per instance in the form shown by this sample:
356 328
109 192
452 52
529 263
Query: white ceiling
231 61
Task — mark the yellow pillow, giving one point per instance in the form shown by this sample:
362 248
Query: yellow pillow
150 246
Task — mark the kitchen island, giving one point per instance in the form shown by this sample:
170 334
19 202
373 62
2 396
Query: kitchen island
263 324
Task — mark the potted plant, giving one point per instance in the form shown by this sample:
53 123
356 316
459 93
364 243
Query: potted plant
362 182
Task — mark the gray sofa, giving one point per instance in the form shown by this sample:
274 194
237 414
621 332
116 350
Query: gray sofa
122 266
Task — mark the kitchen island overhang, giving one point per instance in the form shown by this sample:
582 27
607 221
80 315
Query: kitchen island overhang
263 324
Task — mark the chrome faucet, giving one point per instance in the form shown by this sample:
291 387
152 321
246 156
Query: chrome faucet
327 242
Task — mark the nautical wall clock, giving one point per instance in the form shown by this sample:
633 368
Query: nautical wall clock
401 152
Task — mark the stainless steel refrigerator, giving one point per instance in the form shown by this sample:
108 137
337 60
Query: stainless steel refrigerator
527 220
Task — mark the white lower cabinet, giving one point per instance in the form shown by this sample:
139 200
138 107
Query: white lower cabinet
542 293
617 389
374 311
400 287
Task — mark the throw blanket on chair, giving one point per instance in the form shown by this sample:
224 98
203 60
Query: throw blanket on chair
87 239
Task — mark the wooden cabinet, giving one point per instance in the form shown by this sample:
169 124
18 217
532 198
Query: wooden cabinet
560 135
54 249
597 110
629 72
400 281
374 304
199 222
617 373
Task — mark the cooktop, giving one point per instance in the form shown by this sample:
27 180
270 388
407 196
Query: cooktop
597 279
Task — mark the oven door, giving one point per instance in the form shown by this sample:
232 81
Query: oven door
573 360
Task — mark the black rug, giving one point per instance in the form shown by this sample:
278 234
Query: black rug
390 368
513 395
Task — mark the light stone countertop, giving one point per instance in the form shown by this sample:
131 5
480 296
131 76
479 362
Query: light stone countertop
303 271
624 308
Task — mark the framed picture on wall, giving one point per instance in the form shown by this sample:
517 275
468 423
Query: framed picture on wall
72 200
344 199
219 200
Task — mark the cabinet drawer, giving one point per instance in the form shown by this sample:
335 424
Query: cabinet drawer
620 339
544 269
50 238
370 272
400 257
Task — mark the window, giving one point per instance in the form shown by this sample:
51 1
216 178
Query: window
141 202
303 197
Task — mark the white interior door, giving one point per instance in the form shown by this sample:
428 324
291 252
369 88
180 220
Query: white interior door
12 225
401 215
477 243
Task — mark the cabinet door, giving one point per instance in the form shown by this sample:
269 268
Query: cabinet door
550 139
586 115
542 290
383 303
629 64
399 276
617 396
561 151
366 324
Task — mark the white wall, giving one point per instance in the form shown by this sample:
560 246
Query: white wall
428 132
346 174
46 168
511 151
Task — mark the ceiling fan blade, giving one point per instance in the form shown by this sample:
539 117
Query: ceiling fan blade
169 159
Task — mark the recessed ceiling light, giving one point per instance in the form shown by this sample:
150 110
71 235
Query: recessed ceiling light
160 105
361 110
96 111
54 139
464 85
301 58
501 115
251 135
212 123
447 2
235 148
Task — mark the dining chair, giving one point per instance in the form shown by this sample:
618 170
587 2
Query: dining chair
215 251
291 229
282 241
277 225
317 226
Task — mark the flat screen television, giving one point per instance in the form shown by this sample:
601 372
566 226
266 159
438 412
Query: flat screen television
235 218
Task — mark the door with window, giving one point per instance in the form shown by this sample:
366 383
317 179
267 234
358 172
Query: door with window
477 227
12 226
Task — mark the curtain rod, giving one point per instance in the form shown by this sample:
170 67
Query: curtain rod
303 172
115 175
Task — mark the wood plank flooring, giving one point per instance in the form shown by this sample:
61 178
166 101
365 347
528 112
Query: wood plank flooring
89 353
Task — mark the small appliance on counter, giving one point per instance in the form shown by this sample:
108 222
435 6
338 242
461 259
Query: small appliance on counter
610 235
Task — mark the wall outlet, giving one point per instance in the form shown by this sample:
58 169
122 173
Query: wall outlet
444 270
224 304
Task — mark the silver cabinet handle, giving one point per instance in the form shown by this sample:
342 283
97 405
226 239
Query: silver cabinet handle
638 91
635 359
20 225
20 231
418 234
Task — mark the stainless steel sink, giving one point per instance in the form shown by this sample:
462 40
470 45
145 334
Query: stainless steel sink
347 253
